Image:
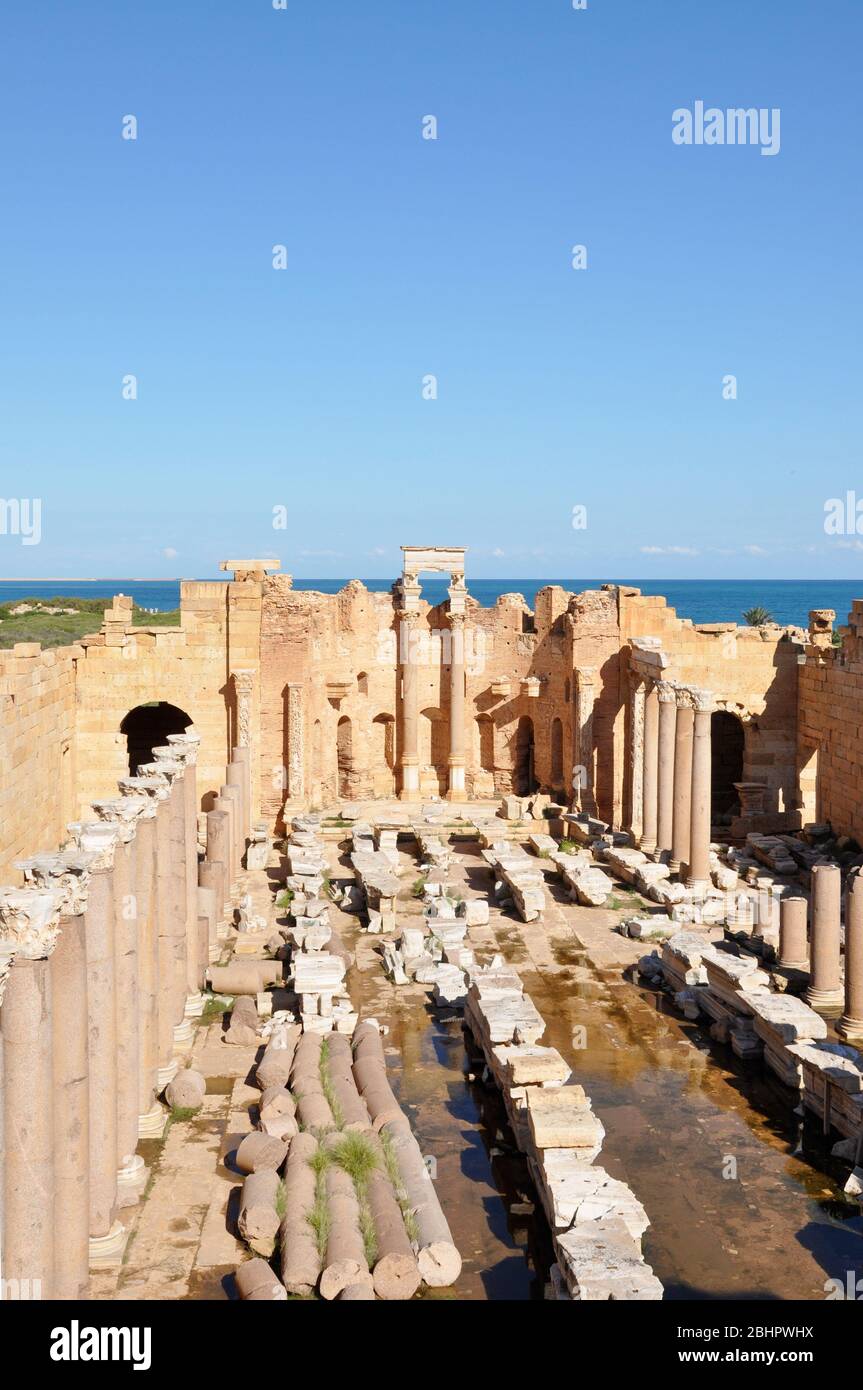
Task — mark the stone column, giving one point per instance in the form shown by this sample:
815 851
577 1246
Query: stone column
151 1115
129 1164
7 957
457 695
636 753
235 776
218 860
241 758
825 993
666 694
698 875
583 773
172 890
207 899
29 923
71 1068
651 771
185 746
682 801
167 908
409 653
850 1026
296 743
106 1234
793 946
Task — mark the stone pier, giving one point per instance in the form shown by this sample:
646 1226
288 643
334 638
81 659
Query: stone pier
850 1026
825 993
682 812
29 924
698 875
666 693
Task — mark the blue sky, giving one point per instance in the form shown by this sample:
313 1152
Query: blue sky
302 388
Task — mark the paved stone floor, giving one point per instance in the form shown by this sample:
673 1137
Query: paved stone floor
711 1147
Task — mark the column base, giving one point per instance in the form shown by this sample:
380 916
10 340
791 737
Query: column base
675 865
166 1074
195 1005
131 1181
107 1251
850 1028
215 951
800 965
152 1125
660 856
183 1036
829 1003
699 885
647 847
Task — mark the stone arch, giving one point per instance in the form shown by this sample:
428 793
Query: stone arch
433 748
727 749
345 757
485 742
556 755
524 774
147 727
383 753
363 682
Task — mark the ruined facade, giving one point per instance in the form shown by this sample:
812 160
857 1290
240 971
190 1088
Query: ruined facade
357 694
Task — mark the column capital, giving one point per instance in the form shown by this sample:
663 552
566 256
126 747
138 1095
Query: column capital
154 788
99 838
68 873
666 692
184 747
123 812
30 920
703 701
685 697
168 768
585 676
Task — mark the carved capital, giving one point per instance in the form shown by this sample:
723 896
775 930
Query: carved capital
666 692
68 873
184 747
156 789
703 701
30 920
685 697
99 838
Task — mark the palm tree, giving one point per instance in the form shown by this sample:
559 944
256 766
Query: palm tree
757 617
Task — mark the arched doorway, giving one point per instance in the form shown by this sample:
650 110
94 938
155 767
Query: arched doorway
485 739
524 780
345 757
727 742
383 754
147 727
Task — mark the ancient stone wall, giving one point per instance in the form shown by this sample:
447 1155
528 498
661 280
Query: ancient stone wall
314 684
830 728
37 748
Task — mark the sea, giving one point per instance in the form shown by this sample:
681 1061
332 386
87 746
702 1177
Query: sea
702 600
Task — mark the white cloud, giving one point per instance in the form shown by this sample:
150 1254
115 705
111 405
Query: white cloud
668 550
498 553
378 550
754 550
169 552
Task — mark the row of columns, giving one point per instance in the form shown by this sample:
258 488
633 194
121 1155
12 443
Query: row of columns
670 774
103 955
409 653
819 950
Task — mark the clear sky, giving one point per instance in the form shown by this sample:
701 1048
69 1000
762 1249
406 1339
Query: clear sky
302 388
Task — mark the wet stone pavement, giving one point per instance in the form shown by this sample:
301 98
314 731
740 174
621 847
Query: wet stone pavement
740 1193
